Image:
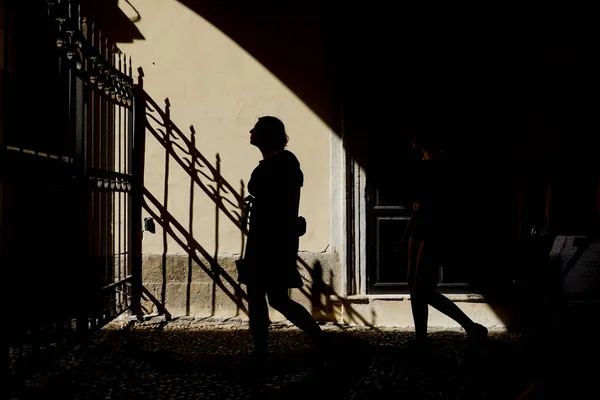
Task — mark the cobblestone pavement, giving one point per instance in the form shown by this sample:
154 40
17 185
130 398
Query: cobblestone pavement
207 359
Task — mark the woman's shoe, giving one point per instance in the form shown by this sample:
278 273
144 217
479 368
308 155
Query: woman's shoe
476 335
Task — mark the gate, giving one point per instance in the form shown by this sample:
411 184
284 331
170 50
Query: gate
70 178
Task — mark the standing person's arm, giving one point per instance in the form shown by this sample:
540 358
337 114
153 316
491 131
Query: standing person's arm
409 227
297 198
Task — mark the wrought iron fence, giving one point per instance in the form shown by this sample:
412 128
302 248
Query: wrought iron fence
70 184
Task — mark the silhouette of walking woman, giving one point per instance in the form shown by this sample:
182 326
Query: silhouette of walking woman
273 237
428 232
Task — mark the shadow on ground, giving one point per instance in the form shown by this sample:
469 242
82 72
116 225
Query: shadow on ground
187 359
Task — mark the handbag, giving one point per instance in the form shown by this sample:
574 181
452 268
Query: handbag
243 271
301 226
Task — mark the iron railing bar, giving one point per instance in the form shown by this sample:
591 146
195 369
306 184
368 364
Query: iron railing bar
36 154
86 124
138 135
77 95
119 195
109 174
106 163
130 203
111 299
118 283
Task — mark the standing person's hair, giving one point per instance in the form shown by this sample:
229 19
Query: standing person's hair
274 132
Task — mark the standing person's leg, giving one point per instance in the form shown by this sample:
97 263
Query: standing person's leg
430 256
280 300
418 301
258 315
449 308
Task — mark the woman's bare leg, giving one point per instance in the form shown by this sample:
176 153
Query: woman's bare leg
280 300
418 302
428 261
424 293
258 314
449 308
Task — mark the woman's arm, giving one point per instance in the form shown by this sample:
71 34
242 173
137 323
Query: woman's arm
297 197
409 227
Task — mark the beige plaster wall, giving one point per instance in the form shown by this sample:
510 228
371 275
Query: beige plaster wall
219 89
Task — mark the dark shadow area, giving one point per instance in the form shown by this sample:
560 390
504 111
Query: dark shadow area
321 307
504 81
112 21
64 184
510 89
200 360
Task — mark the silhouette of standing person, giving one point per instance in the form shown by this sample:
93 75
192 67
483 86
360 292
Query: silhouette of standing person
571 348
429 232
273 237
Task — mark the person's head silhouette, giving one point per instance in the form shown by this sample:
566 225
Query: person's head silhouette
268 134
428 141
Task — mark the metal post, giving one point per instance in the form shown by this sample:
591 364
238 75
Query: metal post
137 128
81 273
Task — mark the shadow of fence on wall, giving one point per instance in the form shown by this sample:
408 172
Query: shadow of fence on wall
228 203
